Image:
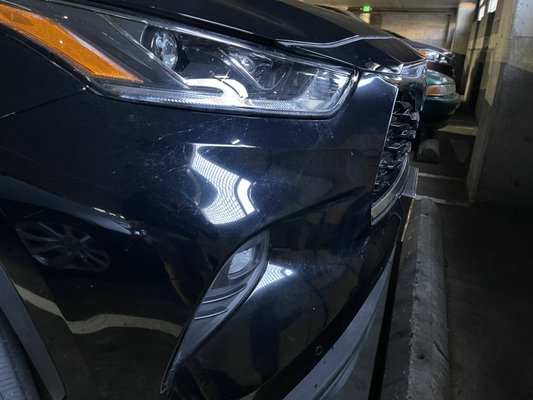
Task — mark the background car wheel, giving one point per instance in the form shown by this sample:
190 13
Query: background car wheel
62 246
16 382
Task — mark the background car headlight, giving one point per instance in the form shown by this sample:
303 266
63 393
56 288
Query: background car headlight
154 61
441 90
441 85
436 56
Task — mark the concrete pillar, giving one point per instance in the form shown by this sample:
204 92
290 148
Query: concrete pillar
450 30
475 60
366 17
501 169
466 13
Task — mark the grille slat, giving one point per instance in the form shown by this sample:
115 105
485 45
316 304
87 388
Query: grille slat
402 130
402 147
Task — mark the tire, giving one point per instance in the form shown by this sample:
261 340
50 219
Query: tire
16 382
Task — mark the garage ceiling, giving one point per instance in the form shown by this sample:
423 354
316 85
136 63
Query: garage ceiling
392 4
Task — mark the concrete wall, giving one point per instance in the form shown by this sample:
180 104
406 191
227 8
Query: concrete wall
433 28
464 20
475 59
502 162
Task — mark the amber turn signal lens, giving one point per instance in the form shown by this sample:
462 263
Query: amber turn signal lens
50 34
435 91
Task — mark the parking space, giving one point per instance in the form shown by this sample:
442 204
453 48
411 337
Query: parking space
489 275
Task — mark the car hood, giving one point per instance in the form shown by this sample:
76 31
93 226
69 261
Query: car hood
269 19
421 45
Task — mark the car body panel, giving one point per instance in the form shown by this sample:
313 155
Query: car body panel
428 46
158 188
260 18
444 68
105 186
346 371
35 71
439 109
447 69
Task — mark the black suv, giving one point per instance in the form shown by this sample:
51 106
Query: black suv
199 200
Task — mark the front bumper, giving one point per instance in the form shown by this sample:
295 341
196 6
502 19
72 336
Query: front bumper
405 184
346 369
301 332
437 111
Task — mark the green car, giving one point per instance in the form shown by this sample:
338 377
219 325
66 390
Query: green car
441 101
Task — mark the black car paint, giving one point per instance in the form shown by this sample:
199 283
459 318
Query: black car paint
40 82
260 19
444 68
126 172
437 111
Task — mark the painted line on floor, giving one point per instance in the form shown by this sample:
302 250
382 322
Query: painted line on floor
99 322
442 177
442 201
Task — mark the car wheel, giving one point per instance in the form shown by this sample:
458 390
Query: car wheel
16 382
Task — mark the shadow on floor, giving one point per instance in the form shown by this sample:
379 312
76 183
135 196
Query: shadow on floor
489 277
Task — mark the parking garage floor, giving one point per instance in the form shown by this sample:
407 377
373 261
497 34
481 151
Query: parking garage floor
489 273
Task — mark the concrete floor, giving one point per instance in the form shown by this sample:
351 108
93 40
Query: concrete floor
489 277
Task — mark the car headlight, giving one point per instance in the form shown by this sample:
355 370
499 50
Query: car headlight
436 56
440 85
150 60
441 90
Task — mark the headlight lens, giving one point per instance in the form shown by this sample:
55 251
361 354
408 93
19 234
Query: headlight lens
176 65
436 56
441 90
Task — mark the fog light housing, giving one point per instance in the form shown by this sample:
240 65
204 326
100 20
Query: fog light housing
232 285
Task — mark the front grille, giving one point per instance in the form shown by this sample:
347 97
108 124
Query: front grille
402 131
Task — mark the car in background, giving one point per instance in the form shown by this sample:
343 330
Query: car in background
442 100
198 200
439 58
